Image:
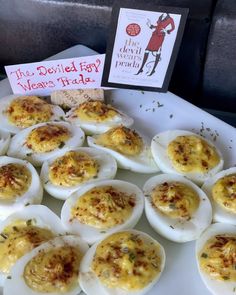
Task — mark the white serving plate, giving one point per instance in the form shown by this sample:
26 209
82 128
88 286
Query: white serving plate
154 112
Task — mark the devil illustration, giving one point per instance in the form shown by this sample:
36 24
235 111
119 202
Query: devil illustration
164 25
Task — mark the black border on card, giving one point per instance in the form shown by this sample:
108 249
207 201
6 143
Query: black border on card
112 34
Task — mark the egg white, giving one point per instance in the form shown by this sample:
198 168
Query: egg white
33 195
17 283
174 229
159 147
6 125
18 148
107 170
42 217
91 284
91 234
219 213
142 163
4 142
214 286
94 127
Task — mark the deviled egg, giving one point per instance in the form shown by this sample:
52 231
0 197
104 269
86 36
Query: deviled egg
186 153
126 262
40 142
63 175
101 208
221 190
52 268
130 150
20 185
19 112
176 208
4 142
23 231
96 117
216 258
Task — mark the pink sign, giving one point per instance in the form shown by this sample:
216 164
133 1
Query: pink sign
42 78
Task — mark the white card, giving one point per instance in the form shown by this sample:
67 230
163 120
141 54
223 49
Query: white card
129 49
41 78
143 46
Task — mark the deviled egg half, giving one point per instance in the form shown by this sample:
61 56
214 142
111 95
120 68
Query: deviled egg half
131 151
101 208
23 231
126 262
96 117
20 185
40 142
221 190
19 112
176 208
216 258
63 175
4 142
186 153
52 268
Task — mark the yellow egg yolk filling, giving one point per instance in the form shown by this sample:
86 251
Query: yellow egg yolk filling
103 207
122 140
124 260
15 180
175 199
192 154
47 138
19 238
26 111
94 111
55 270
224 192
73 168
218 258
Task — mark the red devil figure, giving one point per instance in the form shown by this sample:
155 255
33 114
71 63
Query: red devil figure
164 25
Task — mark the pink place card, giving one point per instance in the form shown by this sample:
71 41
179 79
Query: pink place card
41 78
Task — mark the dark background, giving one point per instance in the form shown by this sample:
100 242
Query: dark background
205 70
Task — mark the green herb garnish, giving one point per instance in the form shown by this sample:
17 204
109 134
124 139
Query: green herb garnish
61 145
172 206
29 222
132 256
4 236
204 255
159 105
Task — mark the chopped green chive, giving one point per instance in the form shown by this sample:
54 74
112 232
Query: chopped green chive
132 257
61 145
204 255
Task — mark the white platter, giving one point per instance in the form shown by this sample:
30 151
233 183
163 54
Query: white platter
155 112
